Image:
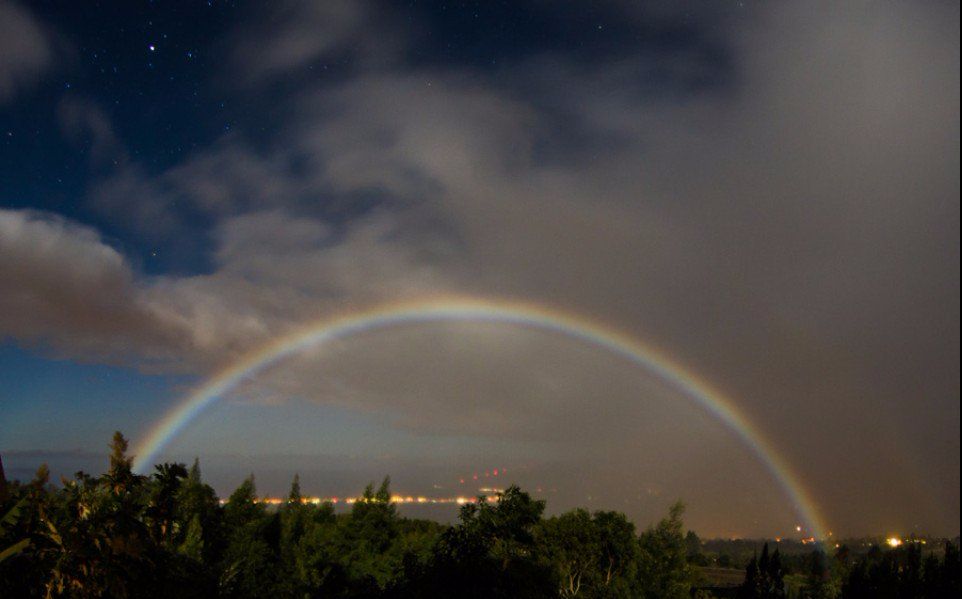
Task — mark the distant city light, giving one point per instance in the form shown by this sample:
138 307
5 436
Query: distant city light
397 499
893 541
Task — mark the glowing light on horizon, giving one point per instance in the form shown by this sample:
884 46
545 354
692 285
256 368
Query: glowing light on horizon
395 499
893 542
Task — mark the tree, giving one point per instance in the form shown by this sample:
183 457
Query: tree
776 577
693 549
295 519
491 551
249 564
902 572
910 583
294 497
820 584
121 535
619 552
764 578
95 539
120 477
942 577
7 523
750 588
199 518
162 510
248 567
371 555
242 506
193 545
317 564
572 547
590 556
663 570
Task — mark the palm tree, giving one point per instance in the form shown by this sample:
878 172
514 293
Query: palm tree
162 510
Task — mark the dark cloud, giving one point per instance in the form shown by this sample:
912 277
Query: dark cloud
66 289
25 50
222 180
89 128
289 37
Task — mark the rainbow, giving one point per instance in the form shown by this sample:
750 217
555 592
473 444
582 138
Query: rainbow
482 310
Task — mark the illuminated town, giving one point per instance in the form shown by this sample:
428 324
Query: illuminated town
489 494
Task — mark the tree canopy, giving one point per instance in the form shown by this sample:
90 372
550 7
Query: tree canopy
168 534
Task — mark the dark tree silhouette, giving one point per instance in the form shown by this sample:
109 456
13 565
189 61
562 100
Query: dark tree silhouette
167 535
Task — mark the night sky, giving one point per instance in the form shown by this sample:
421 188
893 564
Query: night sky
766 192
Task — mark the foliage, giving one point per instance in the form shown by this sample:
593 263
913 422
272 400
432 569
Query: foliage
663 570
124 535
590 555
764 577
902 572
7 522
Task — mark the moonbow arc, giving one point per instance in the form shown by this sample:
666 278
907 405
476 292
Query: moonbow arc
495 311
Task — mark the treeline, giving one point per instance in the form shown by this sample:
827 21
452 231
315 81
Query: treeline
865 568
877 574
168 535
